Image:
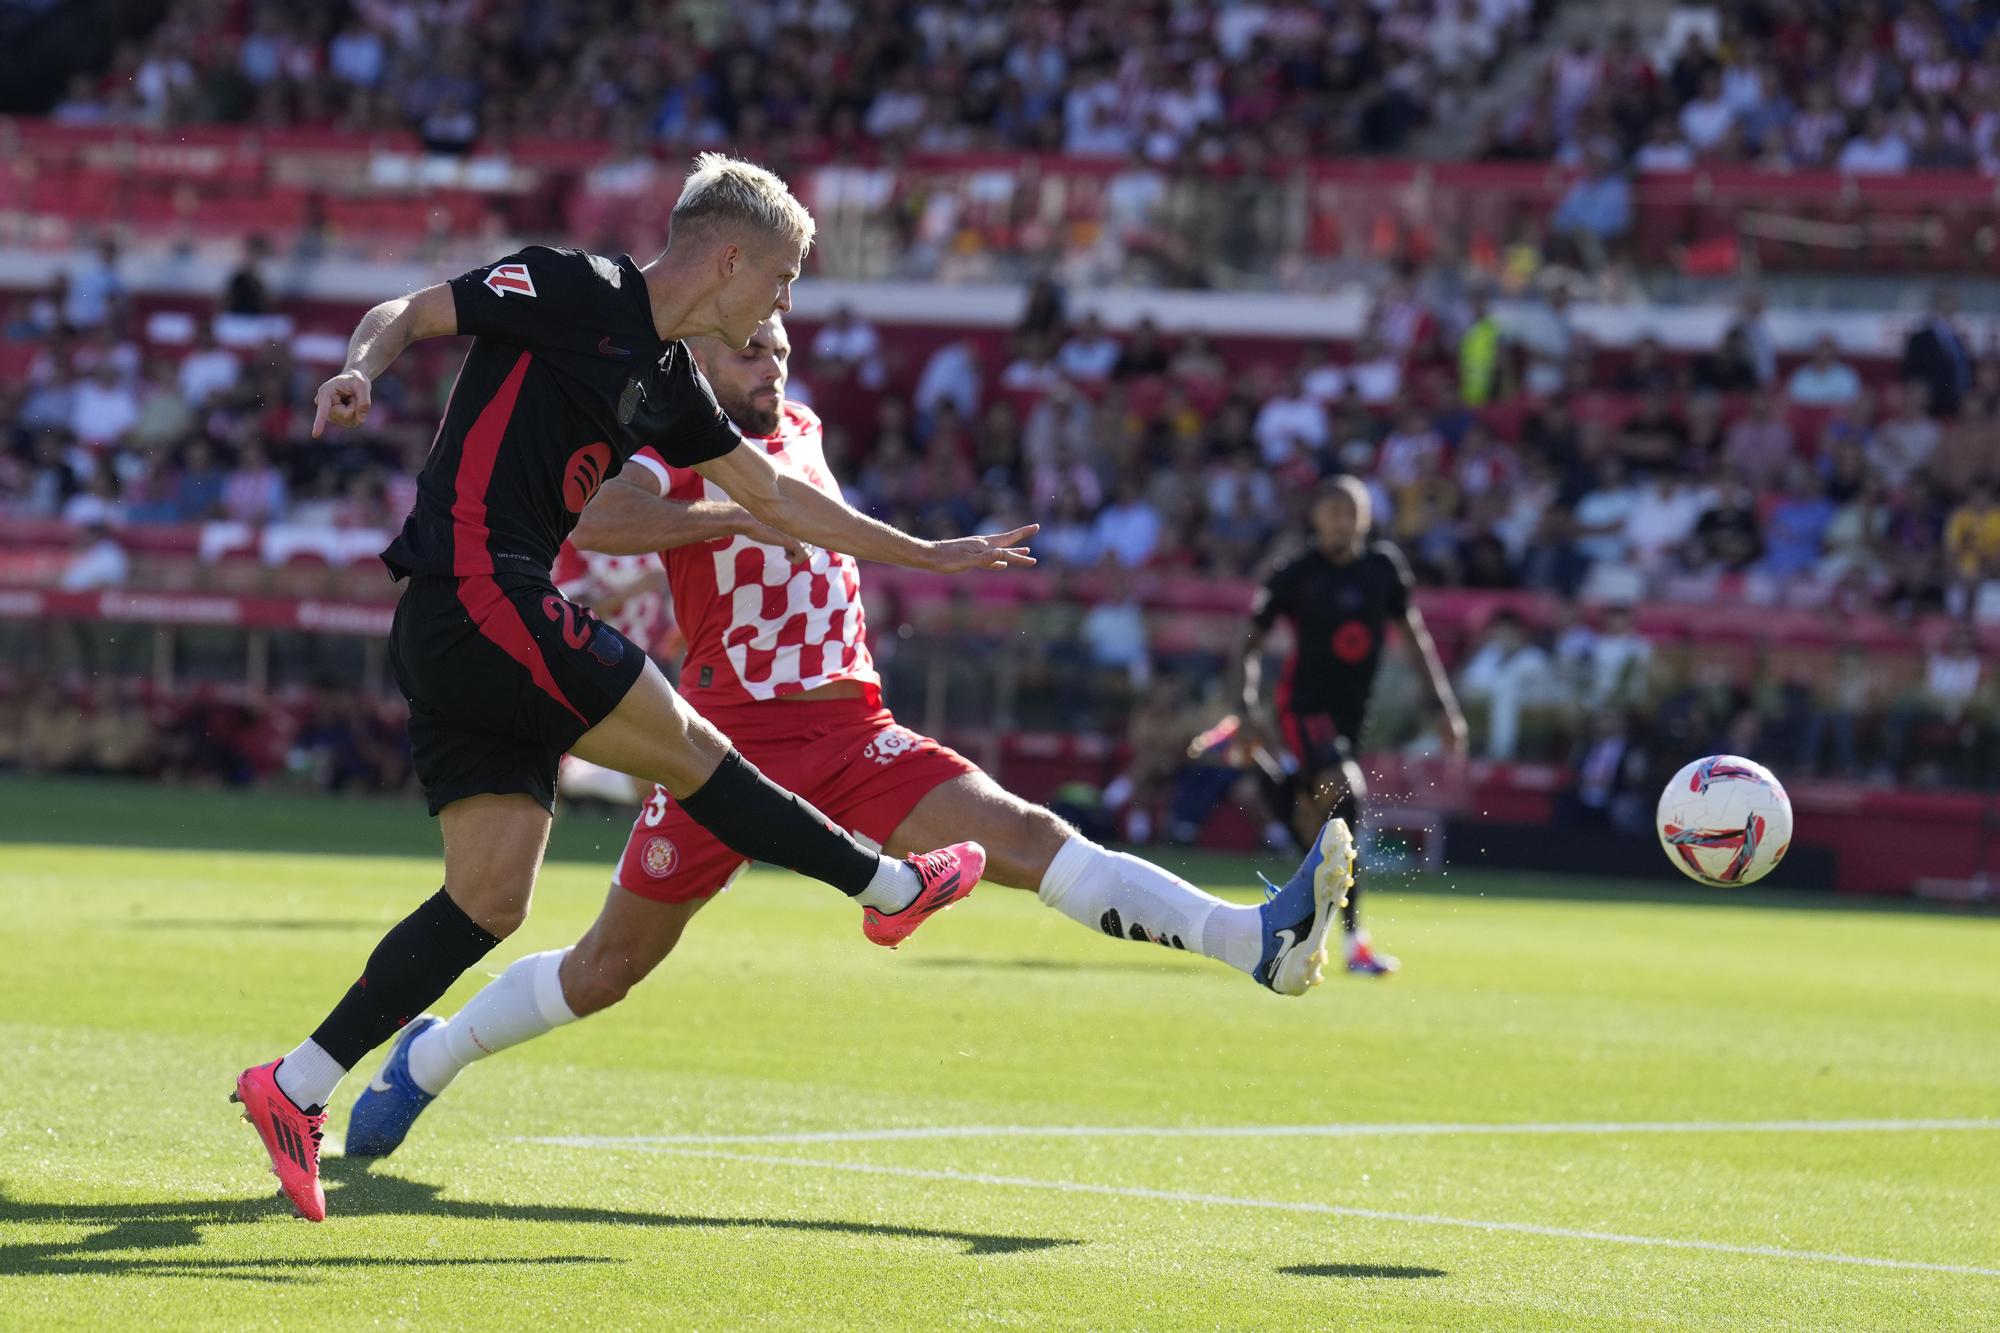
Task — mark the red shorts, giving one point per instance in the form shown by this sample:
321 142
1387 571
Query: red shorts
848 757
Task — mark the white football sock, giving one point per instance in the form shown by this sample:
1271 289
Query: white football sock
524 1001
895 886
1132 899
309 1075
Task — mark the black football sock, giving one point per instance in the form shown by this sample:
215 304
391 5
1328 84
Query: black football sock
415 963
1281 796
1349 809
761 820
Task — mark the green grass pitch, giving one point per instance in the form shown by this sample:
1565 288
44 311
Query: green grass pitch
1542 1121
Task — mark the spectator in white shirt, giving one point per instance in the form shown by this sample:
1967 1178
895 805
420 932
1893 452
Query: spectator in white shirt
357 55
103 408
1033 370
1115 632
1877 150
208 370
97 504
1665 150
1951 684
1662 519
255 491
1620 659
1289 425
1323 381
1508 674
848 345
1904 443
1128 529
897 109
1377 376
1462 40
1068 538
1602 513
1707 120
100 562
1824 381
1410 452
950 376
1546 332
1090 353
96 293
1241 472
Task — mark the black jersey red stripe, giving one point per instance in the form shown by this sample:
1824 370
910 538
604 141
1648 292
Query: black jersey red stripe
567 377
470 535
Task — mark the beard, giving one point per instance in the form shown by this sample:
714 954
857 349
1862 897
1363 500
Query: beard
751 417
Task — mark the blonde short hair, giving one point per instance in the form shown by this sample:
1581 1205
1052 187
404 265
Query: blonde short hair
727 190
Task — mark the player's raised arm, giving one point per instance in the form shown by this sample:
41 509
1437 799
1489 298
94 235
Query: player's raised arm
1264 612
803 510
631 515
378 340
1453 717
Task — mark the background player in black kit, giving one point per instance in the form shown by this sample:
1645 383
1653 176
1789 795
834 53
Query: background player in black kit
576 364
1339 597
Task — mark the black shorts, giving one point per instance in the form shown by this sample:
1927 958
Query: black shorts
502 674
1319 740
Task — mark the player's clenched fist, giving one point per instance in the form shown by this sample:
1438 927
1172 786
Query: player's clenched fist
999 550
343 400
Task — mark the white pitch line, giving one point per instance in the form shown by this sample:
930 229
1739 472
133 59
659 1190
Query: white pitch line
1326 1209
1266 1131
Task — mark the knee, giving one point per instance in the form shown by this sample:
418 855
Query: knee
595 981
499 911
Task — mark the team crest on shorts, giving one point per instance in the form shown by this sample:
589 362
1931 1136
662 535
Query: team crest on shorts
891 745
659 857
606 647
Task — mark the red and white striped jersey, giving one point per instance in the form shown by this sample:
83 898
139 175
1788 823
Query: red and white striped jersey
757 625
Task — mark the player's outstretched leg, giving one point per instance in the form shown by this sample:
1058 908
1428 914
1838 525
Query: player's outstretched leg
653 735
1116 893
537 994
493 848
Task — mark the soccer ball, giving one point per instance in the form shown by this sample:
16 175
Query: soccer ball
1725 821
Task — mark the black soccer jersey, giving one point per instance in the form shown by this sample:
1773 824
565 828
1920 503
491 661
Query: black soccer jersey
1338 613
566 379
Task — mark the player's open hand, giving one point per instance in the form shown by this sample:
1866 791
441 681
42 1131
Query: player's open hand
998 550
343 400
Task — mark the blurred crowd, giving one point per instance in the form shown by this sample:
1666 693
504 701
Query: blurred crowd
1501 451
107 426
1606 697
1209 79
331 738
1849 84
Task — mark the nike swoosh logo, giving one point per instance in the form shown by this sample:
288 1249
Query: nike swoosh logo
379 1084
605 347
1287 941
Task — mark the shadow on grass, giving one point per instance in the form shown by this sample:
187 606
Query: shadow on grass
1360 1270
168 1234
